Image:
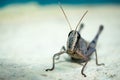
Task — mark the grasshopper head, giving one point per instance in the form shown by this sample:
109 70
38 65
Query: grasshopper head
73 38
74 35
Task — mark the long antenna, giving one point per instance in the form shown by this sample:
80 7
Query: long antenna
65 15
81 20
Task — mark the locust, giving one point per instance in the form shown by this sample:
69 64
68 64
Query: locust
78 48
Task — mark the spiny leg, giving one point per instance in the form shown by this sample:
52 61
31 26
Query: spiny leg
81 27
97 59
57 54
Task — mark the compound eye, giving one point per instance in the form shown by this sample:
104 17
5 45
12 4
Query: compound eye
70 33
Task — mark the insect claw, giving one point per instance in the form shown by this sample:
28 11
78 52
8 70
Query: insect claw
49 69
84 75
100 64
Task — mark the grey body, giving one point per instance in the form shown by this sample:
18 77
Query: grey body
77 48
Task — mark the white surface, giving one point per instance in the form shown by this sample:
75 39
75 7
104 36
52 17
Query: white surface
31 34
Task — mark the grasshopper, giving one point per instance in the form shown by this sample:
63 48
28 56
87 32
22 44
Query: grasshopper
77 48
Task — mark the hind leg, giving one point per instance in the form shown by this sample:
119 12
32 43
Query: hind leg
91 49
92 46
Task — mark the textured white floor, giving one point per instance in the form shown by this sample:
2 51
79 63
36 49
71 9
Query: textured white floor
31 34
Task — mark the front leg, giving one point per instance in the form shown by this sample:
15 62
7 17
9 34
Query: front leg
82 71
86 59
58 55
62 49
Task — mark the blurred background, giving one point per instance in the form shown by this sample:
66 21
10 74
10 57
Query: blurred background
48 2
32 31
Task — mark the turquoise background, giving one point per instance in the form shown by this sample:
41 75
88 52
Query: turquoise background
47 2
